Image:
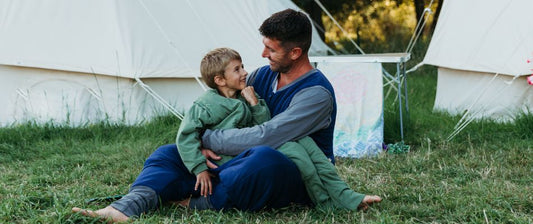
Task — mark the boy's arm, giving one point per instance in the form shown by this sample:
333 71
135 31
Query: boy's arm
188 139
260 112
310 110
258 107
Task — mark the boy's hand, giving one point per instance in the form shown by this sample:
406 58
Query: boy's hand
204 180
249 94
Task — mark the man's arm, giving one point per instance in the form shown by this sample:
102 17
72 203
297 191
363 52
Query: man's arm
309 111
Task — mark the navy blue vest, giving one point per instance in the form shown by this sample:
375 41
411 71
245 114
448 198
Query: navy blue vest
279 101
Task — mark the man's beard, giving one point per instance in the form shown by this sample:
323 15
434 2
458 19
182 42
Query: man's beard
280 68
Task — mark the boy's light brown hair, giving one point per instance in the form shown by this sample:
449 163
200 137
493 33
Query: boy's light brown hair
214 64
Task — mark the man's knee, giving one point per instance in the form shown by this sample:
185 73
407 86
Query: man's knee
261 162
258 178
266 154
163 152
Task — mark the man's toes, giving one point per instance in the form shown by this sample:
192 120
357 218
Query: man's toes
76 209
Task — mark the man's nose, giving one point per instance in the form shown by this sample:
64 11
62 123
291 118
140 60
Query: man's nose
264 54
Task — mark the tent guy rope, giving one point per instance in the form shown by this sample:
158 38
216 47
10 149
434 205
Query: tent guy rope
339 26
419 27
470 115
388 77
159 98
146 87
416 34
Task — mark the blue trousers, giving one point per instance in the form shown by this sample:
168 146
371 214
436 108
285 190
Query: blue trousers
258 178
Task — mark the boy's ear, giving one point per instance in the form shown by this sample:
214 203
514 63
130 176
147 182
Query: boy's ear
220 80
295 53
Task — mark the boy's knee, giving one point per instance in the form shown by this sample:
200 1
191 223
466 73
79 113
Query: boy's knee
293 151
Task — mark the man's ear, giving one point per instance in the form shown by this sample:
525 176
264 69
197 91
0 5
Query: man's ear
220 80
296 53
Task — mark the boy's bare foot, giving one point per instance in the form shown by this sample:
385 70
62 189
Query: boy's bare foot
367 201
184 203
108 213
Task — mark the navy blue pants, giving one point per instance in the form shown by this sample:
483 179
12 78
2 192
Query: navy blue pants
258 178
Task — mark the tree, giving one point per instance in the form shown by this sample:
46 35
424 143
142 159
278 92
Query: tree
338 8
341 9
375 25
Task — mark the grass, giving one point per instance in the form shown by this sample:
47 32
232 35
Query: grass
483 175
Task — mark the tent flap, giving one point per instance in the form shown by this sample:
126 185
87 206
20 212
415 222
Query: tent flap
483 36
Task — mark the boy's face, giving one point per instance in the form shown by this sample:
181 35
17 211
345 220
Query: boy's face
235 75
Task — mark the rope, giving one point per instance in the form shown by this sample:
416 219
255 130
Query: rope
165 35
316 25
93 92
200 83
389 78
414 68
416 34
339 26
469 116
171 43
23 94
159 98
199 18
419 27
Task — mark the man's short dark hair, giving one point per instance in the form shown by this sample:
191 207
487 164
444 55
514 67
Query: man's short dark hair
290 27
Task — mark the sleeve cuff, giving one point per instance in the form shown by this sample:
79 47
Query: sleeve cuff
205 139
200 168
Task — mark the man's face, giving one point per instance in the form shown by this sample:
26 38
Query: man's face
278 57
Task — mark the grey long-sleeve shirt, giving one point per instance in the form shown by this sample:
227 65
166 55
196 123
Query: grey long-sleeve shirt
309 111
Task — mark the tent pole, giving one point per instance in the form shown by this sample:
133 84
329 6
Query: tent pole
400 97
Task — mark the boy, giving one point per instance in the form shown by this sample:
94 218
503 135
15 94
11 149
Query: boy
230 104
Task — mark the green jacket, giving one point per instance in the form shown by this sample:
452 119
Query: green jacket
213 111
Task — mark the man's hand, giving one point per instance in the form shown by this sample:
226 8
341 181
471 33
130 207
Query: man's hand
208 154
203 180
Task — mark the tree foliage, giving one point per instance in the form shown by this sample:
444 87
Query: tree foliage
378 25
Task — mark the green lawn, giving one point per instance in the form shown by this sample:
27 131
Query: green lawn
484 175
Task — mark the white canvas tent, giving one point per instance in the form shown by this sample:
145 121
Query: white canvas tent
483 50
80 62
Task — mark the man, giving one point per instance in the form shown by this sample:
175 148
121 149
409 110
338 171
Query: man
300 98
302 103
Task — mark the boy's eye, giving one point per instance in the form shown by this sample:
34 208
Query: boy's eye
238 68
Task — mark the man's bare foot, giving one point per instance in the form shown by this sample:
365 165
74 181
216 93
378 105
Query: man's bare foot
108 213
367 201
